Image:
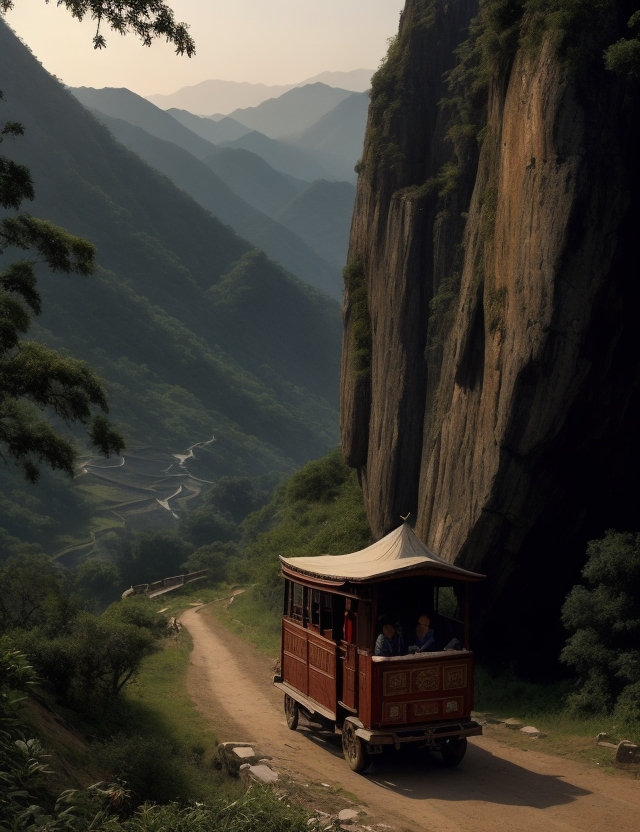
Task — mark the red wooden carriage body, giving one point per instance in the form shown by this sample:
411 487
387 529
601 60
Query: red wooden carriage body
328 668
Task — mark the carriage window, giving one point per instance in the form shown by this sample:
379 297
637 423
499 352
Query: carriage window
314 611
447 603
326 614
297 598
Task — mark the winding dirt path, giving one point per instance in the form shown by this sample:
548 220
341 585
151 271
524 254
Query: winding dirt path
495 789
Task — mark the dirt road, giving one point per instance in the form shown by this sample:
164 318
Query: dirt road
496 789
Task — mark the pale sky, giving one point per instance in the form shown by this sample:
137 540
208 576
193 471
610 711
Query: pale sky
268 41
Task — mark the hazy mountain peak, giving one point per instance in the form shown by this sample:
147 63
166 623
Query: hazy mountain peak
356 80
293 112
218 96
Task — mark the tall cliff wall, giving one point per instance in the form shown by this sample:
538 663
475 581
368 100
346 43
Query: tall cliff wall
490 357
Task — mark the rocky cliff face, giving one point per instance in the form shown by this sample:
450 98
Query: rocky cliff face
490 357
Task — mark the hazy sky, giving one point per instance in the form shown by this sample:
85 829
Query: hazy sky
268 41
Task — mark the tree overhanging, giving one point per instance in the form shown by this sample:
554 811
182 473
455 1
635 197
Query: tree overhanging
147 19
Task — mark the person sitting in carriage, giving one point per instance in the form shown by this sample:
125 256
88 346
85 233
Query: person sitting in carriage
390 641
424 639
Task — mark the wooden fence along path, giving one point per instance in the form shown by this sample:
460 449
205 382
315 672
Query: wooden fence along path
165 585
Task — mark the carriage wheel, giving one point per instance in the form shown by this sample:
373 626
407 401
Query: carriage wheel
291 711
453 751
353 748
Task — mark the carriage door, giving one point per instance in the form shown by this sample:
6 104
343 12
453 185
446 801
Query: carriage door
349 657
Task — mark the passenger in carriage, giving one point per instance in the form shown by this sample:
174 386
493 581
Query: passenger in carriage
424 639
390 641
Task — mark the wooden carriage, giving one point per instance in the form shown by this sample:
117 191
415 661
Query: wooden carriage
332 608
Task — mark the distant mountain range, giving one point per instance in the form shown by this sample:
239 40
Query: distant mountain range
336 139
216 96
321 216
291 113
285 157
174 150
201 183
195 331
247 181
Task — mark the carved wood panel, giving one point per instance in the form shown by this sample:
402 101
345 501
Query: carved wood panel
455 676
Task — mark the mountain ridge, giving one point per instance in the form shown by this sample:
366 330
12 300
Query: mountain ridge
293 112
216 95
200 182
174 359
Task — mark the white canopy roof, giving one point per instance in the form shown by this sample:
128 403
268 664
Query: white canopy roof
399 551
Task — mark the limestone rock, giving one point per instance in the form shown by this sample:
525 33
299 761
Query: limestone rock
513 724
508 420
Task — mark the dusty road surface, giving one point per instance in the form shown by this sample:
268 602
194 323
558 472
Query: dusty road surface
497 789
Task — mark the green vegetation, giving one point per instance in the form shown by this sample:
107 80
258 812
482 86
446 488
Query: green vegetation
80 656
388 95
152 740
359 320
255 618
32 377
623 57
494 302
505 695
603 617
581 31
147 19
319 510
442 310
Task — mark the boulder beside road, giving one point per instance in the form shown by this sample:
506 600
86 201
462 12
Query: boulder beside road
628 752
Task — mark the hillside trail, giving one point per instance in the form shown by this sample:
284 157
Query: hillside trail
495 789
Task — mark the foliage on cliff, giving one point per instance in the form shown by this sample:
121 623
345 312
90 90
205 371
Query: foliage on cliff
623 56
360 320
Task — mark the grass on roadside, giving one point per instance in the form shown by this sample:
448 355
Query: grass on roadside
249 618
153 737
159 702
544 707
